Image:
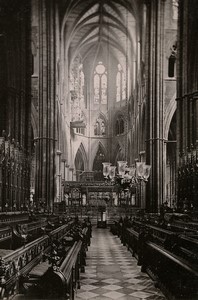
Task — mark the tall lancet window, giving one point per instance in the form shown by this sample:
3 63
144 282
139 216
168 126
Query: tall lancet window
81 84
120 85
100 84
77 90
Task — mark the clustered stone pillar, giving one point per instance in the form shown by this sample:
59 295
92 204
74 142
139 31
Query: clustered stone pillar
155 106
46 140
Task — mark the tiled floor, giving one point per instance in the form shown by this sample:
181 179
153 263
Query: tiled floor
112 273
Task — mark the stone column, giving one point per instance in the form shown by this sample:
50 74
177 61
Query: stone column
58 175
195 118
155 107
46 140
67 172
63 176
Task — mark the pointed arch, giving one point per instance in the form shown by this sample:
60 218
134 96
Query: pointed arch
80 161
99 158
79 164
119 154
83 153
95 149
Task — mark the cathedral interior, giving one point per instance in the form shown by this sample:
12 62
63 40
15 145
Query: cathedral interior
99 149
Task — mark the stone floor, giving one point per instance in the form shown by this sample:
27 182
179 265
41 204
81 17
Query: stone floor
112 273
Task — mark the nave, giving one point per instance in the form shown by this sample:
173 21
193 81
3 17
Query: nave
112 273
99 119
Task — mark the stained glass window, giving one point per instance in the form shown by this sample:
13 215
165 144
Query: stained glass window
77 90
96 88
100 84
104 89
120 85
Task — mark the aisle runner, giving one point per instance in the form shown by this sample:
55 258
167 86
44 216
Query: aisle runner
112 273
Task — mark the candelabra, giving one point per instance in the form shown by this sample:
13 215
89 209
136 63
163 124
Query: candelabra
126 177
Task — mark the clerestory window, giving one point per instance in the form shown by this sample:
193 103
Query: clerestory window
120 85
100 84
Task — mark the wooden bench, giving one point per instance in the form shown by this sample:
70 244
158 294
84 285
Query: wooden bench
19 229
6 237
176 276
62 281
132 240
27 232
170 258
16 265
13 218
59 277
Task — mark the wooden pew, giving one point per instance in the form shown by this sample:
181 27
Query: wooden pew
176 276
6 237
62 277
187 247
28 231
15 266
20 228
61 246
13 218
61 281
132 241
171 258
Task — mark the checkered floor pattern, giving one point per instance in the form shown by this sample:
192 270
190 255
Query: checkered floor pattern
112 273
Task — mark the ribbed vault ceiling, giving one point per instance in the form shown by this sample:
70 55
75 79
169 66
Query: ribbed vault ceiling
92 27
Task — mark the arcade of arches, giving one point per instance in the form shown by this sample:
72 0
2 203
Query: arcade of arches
83 82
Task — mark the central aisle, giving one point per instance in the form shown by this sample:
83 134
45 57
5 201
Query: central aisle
112 273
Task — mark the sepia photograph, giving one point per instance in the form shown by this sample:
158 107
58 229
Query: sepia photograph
98 149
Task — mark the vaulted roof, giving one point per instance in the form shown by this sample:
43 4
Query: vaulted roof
90 27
